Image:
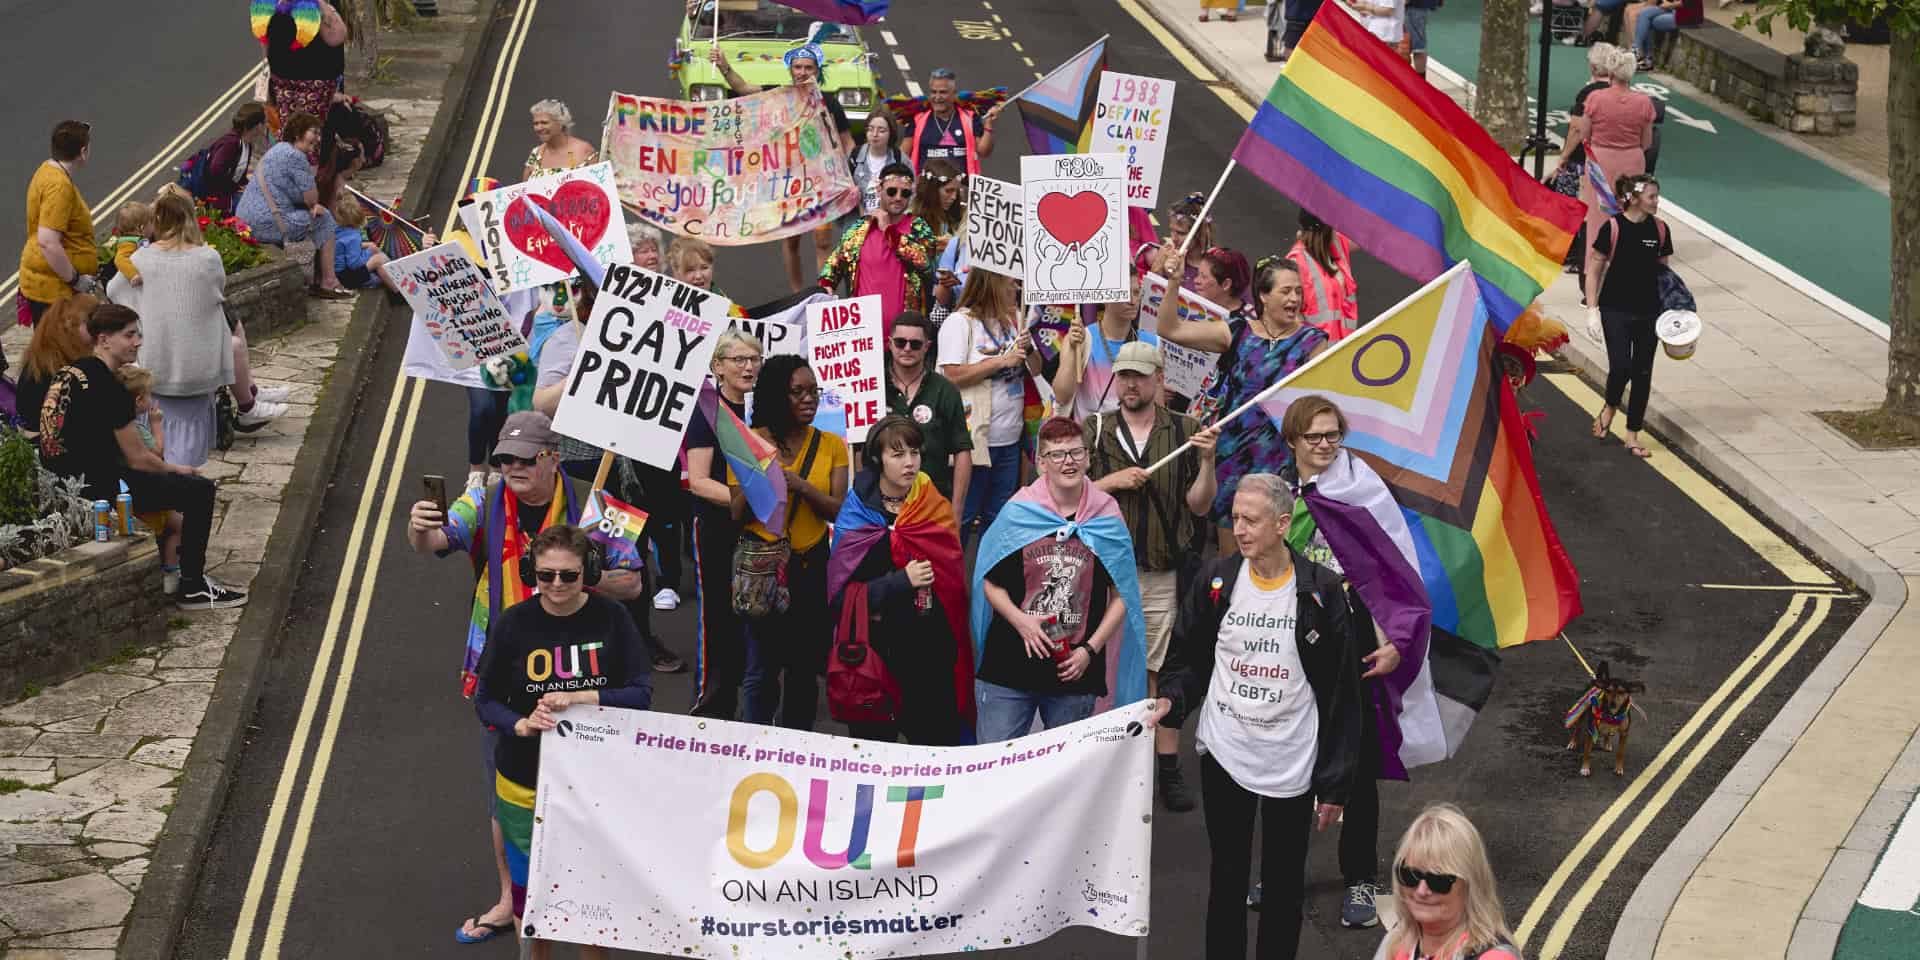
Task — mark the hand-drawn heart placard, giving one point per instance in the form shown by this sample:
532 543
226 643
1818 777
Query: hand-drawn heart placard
1073 220
581 206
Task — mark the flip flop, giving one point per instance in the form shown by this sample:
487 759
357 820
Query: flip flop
492 930
330 293
1639 451
1600 429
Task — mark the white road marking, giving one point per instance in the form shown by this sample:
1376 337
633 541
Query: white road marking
1896 881
901 63
887 35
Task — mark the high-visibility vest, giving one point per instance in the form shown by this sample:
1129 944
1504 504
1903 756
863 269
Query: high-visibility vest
965 120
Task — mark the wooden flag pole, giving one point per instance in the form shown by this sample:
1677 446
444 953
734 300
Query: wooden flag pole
1029 87
600 475
383 208
1205 209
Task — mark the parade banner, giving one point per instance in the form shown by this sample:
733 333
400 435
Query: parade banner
761 841
730 172
1184 367
843 347
995 227
646 350
519 250
1076 244
1132 117
454 306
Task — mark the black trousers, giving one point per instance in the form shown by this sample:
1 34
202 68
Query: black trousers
787 652
1360 819
1631 343
720 662
1230 811
193 497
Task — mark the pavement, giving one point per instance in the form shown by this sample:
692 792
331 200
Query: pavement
1773 863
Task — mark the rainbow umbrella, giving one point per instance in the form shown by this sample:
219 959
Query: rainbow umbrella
395 235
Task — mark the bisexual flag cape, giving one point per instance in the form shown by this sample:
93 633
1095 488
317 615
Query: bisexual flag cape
1031 515
924 529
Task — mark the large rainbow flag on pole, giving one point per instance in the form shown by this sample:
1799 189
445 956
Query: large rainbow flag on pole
1058 109
1441 490
1351 133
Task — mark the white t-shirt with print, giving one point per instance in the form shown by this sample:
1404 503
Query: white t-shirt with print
1387 28
1009 390
1259 722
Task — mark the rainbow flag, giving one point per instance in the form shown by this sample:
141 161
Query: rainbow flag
753 460
615 526
1351 133
1058 110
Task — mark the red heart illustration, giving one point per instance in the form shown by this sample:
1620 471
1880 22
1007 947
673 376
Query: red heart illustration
1073 220
580 206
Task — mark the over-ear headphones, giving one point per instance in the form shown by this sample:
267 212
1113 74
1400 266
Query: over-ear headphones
590 568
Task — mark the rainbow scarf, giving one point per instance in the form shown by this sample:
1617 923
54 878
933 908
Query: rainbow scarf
305 14
489 522
924 529
752 459
615 526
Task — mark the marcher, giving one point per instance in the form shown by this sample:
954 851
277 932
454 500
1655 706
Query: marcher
988 357
188 346
939 201
283 203
494 524
720 658
1182 218
59 258
878 149
1089 357
518 702
948 131
556 149
1623 286
86 431
1329 296
59 338
896 548
230 157
1266 639
1162 511
306 44
1054 587
1444 894
1619 129
887 254
932 402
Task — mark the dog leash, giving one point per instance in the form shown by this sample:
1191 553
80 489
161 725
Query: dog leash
1590 675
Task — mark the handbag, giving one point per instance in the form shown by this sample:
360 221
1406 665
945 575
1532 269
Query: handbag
860 688
302 250
760 566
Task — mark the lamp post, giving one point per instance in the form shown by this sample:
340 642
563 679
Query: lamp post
1537 142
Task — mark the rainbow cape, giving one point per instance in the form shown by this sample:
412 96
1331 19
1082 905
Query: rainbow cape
305 13
1350 132
615 526
1058 111
924 529
752 459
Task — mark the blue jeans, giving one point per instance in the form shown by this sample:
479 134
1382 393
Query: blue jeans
1005 713
486 414
990 488
1650 20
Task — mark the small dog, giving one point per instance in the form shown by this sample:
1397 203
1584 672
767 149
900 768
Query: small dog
1602 714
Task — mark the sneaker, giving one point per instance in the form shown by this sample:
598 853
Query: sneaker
169 582
666 599
272 394
262 412
1174 794
209 595
1253 899
1358 912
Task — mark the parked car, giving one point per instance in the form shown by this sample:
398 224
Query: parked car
756 35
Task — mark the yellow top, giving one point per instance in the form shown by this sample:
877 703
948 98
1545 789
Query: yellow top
53 201
805 527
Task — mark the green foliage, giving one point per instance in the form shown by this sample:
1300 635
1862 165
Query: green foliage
19 479
57 516
1902 15
10 785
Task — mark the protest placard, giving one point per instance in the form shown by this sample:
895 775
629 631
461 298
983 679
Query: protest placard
642 359
759 839
843 347
519 250
1184 367
1132 117
454 306
1076 241
730 172
995 220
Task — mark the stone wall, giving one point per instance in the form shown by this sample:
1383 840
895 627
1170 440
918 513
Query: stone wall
60 613
270 299
1802 93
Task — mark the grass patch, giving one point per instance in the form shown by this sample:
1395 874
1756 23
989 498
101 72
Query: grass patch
30 689
1874 429
10 785
178 623
124 655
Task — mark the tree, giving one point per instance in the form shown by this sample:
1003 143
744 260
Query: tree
1500 97
1903 167
366 18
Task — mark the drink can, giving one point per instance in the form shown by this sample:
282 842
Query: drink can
102 520
123 510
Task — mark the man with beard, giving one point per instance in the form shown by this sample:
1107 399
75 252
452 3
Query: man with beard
887 254
915 391
1163 512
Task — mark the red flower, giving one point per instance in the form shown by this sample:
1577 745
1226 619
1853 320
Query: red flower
204 221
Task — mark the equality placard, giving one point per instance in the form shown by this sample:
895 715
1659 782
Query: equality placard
843 347
1184 367
519 250
1132 117
759 839
730 172
454 306
995 221
1076 236
637 376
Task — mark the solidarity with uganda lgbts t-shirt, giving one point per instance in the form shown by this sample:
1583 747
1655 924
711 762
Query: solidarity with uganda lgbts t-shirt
1260 724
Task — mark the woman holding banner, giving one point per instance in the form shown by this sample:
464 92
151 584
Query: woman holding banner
988 356
721 652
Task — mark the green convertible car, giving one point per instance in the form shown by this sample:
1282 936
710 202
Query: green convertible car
756 35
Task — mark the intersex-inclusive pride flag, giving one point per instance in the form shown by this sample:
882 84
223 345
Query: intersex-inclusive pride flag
1438 505
841 11
615 526
1350 132
752 459
1058 109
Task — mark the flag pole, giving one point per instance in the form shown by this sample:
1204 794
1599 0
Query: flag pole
600 475
1030 86
1207 207
383 208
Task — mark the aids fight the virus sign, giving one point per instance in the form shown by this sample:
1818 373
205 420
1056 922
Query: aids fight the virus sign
843 341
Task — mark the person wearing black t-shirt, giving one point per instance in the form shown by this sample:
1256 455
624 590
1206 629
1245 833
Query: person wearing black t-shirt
721 648
1623 297
87 431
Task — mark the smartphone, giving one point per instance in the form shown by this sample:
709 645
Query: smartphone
436 489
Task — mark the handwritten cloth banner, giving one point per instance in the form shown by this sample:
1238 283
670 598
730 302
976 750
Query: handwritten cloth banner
761 841
730 172
1132 117
996 227
1184 367
520 251
455 307
636 379
1076 236
843 347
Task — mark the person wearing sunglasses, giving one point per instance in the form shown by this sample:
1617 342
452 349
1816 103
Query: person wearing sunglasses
570 648
1445 900
889 254
930 400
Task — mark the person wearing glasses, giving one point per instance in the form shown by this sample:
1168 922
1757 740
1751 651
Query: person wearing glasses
493 524
1057 619
720 661
930 400
1444 896
570 648
889 254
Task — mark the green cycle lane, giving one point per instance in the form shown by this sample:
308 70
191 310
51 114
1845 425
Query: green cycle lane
1807 216
1885 922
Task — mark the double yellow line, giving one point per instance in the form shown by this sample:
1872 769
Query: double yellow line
167 157
358 584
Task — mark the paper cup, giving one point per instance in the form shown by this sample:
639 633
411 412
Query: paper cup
1679 332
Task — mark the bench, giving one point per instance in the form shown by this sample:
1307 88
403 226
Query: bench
1798 92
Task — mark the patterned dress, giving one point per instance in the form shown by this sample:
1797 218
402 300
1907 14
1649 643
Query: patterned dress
1252 363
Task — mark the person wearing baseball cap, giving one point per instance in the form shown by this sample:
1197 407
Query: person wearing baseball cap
1163 511
1087 381
493 523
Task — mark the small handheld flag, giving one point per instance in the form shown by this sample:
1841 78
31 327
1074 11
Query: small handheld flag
615 526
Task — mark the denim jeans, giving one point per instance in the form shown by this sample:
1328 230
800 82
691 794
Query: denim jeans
1005 713
989 489
1651 19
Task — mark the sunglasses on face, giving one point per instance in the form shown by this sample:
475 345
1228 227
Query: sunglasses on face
899 192
1440 883
511 461
548 576
908 343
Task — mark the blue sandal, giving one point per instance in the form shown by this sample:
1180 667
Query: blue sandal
492 930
